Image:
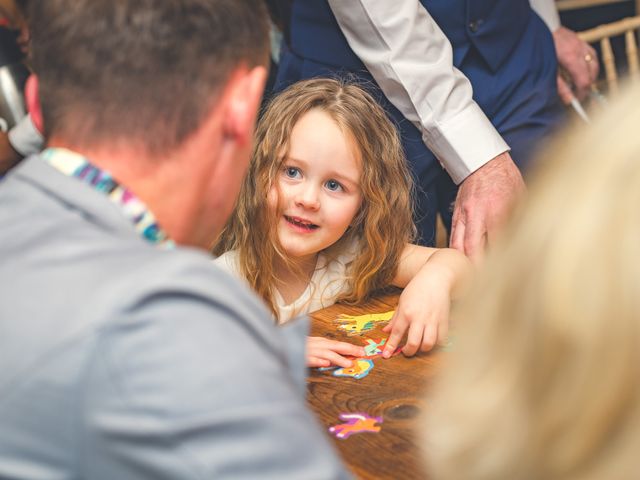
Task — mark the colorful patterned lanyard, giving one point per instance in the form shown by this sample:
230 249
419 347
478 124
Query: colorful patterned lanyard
75 165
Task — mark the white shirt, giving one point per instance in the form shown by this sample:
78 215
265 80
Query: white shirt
412 60
327 283
25 137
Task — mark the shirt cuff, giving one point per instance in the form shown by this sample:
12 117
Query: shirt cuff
465 143
25 138
548 11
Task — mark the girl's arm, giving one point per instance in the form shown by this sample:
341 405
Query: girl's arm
431 278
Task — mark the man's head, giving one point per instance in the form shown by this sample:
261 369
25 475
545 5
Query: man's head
162 94
139 69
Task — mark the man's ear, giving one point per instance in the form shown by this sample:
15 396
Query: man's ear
243 100
32 100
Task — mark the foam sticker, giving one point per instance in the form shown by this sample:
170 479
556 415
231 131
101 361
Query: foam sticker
358 324
373 348
355 423
360 369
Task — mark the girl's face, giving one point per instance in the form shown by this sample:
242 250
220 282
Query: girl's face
319 185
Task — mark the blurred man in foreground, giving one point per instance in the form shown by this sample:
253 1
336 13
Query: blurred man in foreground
126 354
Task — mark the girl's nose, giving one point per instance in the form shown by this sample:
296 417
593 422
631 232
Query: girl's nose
307 197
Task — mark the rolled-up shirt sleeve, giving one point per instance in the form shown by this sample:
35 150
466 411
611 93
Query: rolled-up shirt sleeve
412 60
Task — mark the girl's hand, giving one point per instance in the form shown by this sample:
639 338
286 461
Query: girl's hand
430 277
423 310
322 352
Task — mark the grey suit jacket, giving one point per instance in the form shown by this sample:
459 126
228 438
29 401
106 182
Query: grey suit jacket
120 360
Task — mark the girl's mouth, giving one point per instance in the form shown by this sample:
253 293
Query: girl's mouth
301 223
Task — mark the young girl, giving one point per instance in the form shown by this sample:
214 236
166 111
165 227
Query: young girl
324 215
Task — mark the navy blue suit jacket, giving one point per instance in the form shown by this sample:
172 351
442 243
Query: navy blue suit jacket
503 48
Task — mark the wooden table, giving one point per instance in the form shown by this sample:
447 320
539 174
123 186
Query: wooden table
393 389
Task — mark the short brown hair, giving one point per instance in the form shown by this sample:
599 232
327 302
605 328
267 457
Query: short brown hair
145 70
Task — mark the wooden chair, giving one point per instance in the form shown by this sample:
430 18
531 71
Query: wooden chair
442 236
564 5
602 34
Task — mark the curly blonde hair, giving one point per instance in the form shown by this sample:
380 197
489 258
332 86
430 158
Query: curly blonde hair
383 224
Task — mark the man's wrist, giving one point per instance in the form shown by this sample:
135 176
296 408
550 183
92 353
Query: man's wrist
495 163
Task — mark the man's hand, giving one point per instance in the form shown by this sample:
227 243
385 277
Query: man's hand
578 61
484 200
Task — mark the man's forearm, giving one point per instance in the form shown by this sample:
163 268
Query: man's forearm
411 59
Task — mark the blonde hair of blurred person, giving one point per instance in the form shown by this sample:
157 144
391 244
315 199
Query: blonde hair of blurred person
544 379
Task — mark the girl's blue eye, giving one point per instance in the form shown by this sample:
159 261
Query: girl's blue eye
333 185
291 172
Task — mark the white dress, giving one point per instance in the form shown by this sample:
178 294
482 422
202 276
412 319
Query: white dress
328 281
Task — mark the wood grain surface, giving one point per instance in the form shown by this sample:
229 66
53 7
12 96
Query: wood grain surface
393 389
